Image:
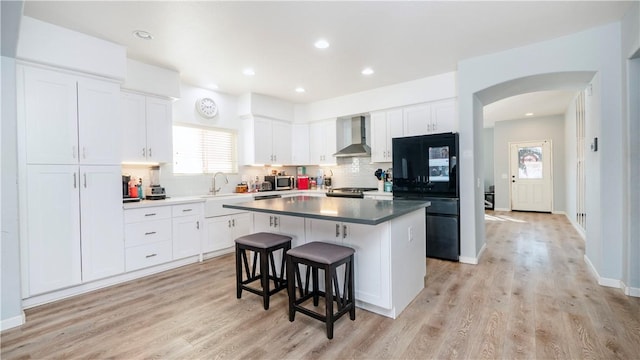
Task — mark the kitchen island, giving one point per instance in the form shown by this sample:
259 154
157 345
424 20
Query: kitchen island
388 236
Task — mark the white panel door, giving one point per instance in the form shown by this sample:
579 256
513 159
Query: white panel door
53 228
102 230
394 130
531 177
281 133
300 144
263 137
51 117
99 122
159 130
219 234
379 136
134 128
186 236
443 116
417 120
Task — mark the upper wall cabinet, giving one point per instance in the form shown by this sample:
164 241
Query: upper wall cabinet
430 118
300 144
147 128
266 141
385 125
70 119
322 142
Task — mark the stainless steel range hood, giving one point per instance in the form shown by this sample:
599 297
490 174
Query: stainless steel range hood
358 145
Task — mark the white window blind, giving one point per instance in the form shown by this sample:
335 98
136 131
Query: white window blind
203 151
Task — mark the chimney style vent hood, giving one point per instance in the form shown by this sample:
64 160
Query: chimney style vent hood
358 145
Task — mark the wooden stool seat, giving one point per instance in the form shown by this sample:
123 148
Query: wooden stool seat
263 245
328 257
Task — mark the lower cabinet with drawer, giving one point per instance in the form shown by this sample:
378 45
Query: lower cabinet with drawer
188 220
147 237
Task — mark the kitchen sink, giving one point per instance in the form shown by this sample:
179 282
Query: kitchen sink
213 205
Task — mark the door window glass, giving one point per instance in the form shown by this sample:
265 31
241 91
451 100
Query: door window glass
530 162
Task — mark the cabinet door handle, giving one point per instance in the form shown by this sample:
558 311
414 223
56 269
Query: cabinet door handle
144 152
85 180
187 210
150 233
150 214
150 155
229 223
73 151
344 231
75 182
233 222
198 225
270 221
151 255
84 152
337 230
275 221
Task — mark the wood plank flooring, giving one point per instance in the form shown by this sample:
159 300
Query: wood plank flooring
531 297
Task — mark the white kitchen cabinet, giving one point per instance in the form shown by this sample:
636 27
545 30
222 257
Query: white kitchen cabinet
102 231
73 225
429 118
147 134
281 224
385 125
300 144
372 245
223 230
188 223
266 141
147 237
69 119
322 142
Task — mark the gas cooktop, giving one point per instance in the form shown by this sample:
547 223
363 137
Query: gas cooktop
349 192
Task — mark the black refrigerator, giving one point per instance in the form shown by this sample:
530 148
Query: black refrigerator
426 168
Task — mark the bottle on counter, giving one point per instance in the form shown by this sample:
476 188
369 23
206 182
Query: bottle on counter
140 193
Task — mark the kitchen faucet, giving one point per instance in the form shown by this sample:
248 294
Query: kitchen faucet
226 181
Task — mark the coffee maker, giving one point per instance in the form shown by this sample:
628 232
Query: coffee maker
126 196
155 191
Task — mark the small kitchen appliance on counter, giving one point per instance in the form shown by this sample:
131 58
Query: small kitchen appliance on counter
355 192
126 196
155 191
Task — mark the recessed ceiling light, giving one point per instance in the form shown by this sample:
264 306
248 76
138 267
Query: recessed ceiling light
300 90
367 71
528 114
212 86
321 44
249 72
144 35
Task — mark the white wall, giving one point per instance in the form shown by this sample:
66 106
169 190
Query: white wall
411 92
593 50
487 138
529 129
630 57
570 159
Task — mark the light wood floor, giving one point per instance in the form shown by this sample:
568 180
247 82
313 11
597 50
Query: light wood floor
531 297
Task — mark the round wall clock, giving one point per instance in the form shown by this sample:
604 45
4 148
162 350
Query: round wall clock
206 107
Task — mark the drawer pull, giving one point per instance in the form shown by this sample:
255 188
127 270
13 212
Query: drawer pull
186 210
150 233
151 214
150 256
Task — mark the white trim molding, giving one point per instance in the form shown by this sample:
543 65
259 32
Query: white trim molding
10 323
608 282
630 291
473 260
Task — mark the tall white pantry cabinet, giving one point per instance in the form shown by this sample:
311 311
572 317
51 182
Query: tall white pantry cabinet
69 135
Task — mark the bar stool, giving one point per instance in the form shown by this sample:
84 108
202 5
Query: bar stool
263 244
328 257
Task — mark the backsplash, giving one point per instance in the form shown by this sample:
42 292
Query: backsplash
349 172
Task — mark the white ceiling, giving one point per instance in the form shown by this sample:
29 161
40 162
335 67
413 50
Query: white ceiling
541 103
211 42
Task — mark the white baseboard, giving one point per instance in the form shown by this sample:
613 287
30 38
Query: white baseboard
12 322
501 209
629 291
473 260
602 281
559 212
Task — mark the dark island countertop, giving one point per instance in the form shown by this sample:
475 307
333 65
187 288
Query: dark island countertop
360 211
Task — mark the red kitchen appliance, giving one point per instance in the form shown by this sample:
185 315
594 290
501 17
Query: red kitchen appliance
303 182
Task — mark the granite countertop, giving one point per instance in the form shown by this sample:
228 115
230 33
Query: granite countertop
360 211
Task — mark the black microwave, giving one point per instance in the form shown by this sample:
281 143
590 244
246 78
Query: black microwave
280 182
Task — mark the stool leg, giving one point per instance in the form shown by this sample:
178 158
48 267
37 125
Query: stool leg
238 272
314 272
328 294
352 301
291 286
264 274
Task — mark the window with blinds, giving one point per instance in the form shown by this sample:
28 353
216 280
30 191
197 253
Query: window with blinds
203 150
